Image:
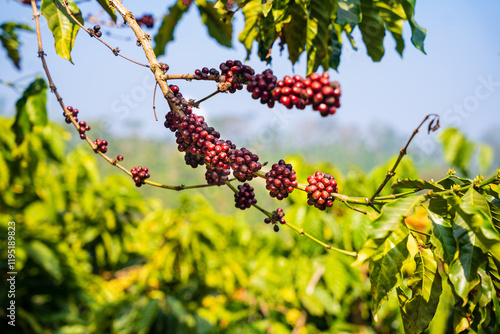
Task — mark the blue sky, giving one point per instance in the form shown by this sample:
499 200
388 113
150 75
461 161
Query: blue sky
459 78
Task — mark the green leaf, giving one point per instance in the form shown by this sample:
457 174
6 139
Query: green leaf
147 316
317 31
280 11
471 208
10 40
485 157
348 12
62 25
372 29
110 10
487 289
386 264
252 11
4 174
295 34
442 237
165 33
417 32
416 184
45 258
31 109
495 213
312 304
463 270
393 214
335 45
267 34
218 26
426 287
457 149
393 15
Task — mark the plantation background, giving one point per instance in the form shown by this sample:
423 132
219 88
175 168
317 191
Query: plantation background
96 254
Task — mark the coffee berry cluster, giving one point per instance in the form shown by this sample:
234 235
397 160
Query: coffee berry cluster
97 30
281 180
101 145
245 197
261 86
276 216
139 175
319 190
315 90
74 112
244 164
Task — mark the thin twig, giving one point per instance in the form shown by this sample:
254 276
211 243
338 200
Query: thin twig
196 104
116 51
154 98
402 153
154 65
181 187
304 233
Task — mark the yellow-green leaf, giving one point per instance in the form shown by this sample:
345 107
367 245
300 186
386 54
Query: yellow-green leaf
63 27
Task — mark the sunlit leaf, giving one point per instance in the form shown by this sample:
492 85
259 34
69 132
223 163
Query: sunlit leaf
417 32
219 27
416 184
295 34
317 34
442 237
463 270
252 11
110 10
418 310
386 264
471 208
63 27
393 15
393 214
165 33
348 12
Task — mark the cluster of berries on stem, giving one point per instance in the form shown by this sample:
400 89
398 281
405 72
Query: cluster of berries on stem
315 90
245 197
261 86
204 73
319 190
281 180
101 145
74 113
244 164
83 127
276 216
139 174
97 30
236 74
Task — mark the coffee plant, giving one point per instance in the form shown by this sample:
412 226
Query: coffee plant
427 246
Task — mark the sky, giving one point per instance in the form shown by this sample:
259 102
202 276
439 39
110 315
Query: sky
458 78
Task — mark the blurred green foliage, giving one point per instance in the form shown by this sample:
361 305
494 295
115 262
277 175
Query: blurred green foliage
95 256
